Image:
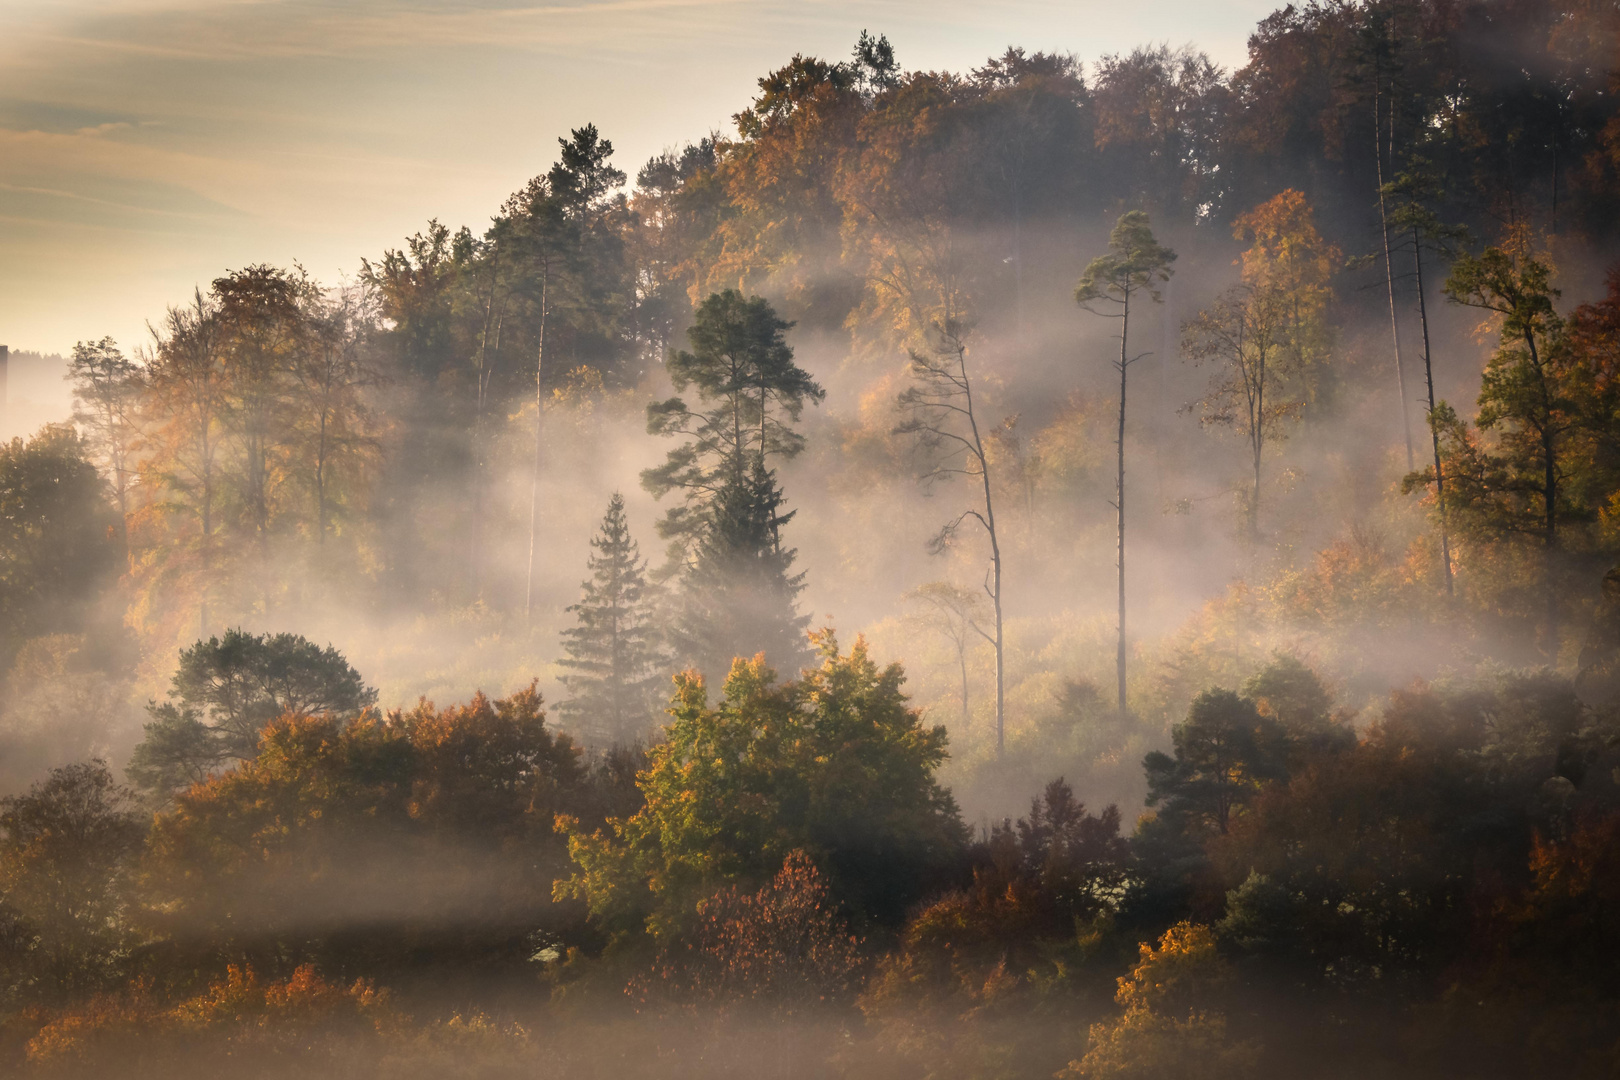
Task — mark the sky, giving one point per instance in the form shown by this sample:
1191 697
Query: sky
148 146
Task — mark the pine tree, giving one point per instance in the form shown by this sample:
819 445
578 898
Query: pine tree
738 595
614 653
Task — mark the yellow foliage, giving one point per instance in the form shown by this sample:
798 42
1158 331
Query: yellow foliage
1164 1032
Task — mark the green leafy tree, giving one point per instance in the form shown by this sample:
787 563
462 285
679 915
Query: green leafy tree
107 389
739 590
1522 483
59 536
737 593
834 763
741 368
615 658
1135 264
226 690
1224 751
67 847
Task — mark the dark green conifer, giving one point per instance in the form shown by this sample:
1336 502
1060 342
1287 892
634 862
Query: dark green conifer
738 595
617 681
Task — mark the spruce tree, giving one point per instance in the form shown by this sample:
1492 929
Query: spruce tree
737 598
614 653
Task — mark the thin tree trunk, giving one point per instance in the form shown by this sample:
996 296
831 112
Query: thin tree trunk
492 319
995 554
1259 443
1549 501
1119 505
1434 429
534 482
961 663
1389 265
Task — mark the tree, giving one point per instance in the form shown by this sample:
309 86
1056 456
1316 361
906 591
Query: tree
106 395
1528 400
560 229
66 851
1167 1027
335 427
742 368
425 835
941 419
1422 229
1245 333
614 653
59 536
186 402
784 948
225 691
1135 264
1379 44
955 613
739 591
1224 750
1159 116
263 337
1288 258
834 763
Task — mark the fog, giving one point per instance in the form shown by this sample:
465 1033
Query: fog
279 796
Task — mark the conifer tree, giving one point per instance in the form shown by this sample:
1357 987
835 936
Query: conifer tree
614 653
738 595
1135 264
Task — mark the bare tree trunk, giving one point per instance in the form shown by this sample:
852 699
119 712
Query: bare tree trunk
539 430
1434 430
492 320
1119 505
995 555
1389 266
1549 500
961 663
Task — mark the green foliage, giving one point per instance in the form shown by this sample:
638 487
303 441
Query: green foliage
614 654
1135 262
225 691
66 851
426 830
833 763
1224 751
59 537
743 370
739 590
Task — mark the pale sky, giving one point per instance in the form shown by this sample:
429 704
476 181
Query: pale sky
147 146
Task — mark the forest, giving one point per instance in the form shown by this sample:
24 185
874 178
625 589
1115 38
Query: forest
1073 568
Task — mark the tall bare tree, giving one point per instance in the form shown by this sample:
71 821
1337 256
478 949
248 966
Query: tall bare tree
954 612
1135 264
942 417
1245 333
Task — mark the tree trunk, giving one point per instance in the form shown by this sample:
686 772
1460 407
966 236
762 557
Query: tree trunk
1389 265
534 482
1549 495
492 320
1434 430
1119 506
995 555
961 663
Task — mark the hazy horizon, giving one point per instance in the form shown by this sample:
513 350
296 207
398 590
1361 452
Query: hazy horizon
147 147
